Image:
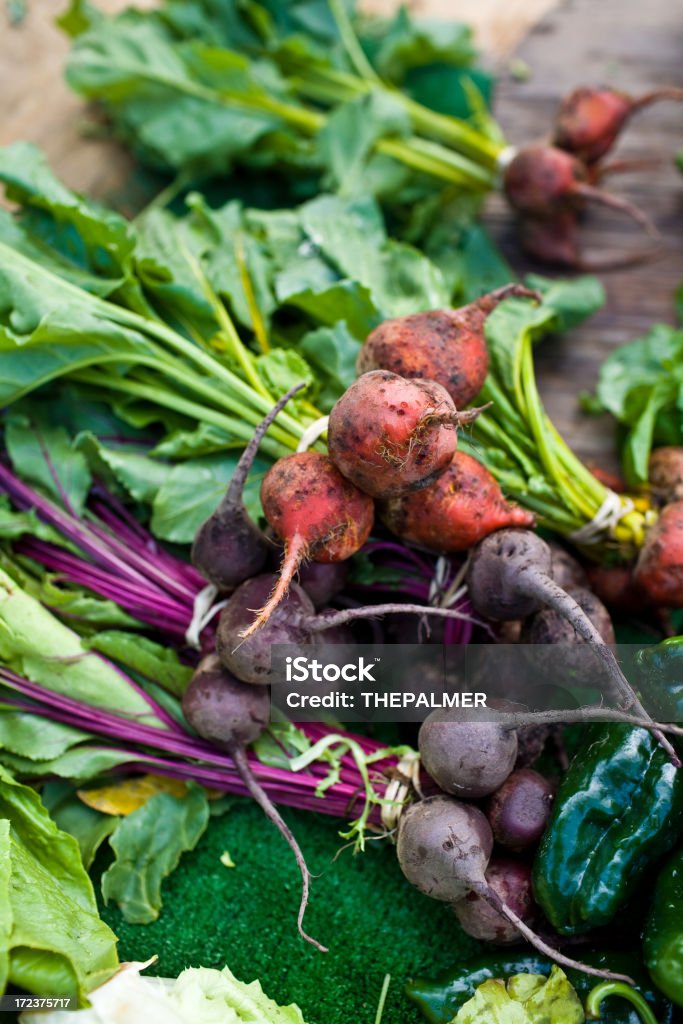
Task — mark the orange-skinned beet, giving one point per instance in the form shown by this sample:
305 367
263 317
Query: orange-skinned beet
659 569
390 435
316 512
459 509
445 345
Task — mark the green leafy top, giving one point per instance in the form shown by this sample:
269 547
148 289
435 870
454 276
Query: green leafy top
641 384
52 942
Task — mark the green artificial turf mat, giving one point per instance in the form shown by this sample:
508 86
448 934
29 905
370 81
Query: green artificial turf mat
361 907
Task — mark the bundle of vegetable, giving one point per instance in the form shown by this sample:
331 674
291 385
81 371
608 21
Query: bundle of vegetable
394 107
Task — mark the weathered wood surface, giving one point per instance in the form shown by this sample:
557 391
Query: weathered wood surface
622 42
631 46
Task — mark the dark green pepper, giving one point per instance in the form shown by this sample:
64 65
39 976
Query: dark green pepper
618 809
440 1000
660 669
663 935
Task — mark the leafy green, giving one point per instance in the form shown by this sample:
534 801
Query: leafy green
641 385
524 999
148 845
42 649
89 828
144 656
45 456
52 942
200 995
38 738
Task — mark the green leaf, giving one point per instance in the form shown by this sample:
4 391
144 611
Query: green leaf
140 475
148 845
332 352
348 138
43 454
154 661
201 990
280 369
192 491
88 827
41 648
80 764
56 943
38 738
408 43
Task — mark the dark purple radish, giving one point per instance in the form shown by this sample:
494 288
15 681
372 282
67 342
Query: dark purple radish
541 181
443 848
468 759
565 570
229 547
518 811
589 121
577 660
289 623
323 581
509 577
231 715
390 435
510 879
445 345
317 513
665 473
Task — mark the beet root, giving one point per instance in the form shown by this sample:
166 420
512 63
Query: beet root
323 581
318 513
617 588
443 848
221 708
464 505
467 759
510 879
509 578
659 569
565 570
445 345
665 473
541 181
249 659
518 811
231 714
229 547
390 435
590 121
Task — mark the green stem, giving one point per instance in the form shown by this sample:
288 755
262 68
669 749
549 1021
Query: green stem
618 988
257 322
240 353
235 427
351 42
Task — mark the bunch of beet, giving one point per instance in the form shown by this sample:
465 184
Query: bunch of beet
550 184
471 844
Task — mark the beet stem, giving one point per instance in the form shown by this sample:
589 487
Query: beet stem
239 756
494 901
233 495
666 93
596 195
488 302
295 552
547 591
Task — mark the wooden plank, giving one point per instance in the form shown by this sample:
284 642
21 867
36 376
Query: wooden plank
631 47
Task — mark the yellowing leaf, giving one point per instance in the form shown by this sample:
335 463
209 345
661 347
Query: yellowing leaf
525 999
226 860
128 795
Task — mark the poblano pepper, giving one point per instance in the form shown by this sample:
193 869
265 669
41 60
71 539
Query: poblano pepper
663 935
440 1000
619 808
